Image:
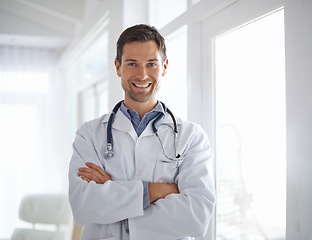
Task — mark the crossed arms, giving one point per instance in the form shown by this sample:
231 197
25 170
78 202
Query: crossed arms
156 190
94 202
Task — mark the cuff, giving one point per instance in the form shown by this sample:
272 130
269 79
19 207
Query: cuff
146 200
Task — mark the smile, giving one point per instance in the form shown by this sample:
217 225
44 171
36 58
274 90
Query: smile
141 85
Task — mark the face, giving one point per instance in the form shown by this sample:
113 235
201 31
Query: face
141 70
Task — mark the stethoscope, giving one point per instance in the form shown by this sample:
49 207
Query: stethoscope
109 149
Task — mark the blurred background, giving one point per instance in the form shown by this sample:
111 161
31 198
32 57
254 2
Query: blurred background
239 68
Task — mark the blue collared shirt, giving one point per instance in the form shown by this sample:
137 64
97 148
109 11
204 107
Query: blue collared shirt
138 124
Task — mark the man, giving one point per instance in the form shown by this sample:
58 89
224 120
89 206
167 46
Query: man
148 186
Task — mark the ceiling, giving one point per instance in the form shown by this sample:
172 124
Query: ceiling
40 23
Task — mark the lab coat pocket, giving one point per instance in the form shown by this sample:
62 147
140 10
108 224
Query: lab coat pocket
166 171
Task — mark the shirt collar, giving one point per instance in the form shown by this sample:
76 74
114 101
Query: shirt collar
138 124
134 116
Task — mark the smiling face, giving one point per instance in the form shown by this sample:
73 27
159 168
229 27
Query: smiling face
141 70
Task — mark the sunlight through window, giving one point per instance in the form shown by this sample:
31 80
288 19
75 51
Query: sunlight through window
24 82
251 131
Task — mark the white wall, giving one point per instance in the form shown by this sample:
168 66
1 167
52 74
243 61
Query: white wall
298 25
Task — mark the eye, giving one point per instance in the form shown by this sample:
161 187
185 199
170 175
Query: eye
152 64
131 64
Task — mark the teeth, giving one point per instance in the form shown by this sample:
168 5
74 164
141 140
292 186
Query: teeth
141 86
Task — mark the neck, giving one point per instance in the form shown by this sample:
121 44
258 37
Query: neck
140 107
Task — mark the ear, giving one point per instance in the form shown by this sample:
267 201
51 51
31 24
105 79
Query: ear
117 65
165 65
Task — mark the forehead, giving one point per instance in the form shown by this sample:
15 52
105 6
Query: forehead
141 50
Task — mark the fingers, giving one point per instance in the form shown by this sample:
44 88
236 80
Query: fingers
173 188
93 173
99 170
88 175
159 190
85 178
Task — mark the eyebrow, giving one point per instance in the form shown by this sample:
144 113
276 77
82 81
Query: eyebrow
153 60
130 60
133 60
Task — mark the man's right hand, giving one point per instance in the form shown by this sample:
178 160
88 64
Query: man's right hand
93 173
161 190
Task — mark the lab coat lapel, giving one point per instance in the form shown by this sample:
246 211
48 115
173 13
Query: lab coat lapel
122 123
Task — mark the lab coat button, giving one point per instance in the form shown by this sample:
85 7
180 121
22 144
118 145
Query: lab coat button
138 172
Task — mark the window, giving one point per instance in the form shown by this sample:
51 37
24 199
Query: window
93 102
94 59
89 76
24 82
161 12
173 90
251 131
26 120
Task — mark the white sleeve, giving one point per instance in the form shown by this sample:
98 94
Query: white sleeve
187 213
105 203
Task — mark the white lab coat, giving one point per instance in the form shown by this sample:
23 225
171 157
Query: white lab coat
101 208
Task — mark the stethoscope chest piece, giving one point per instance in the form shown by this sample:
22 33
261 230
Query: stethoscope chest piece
109 151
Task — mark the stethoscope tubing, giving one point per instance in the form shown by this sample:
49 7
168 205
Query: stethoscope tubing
109 151
110 122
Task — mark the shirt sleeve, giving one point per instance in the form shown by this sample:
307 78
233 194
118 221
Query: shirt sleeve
146 200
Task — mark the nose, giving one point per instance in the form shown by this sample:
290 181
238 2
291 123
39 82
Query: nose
141 73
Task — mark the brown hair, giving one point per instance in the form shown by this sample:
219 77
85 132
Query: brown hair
141 33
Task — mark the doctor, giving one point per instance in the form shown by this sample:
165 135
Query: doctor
154 187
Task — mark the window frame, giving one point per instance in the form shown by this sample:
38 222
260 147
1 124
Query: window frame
233 17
